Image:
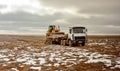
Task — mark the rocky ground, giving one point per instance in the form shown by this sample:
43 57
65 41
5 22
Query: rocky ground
29 53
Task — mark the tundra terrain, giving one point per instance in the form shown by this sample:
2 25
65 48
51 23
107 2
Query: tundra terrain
29 53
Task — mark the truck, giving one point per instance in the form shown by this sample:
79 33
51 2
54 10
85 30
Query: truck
75 36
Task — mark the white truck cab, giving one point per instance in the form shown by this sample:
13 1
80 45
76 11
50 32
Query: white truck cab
77 35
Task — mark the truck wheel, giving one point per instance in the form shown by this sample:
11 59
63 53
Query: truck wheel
76 44
61 42
83 43
48 41
70 43
64 42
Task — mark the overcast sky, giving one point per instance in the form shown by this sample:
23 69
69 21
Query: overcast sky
34 16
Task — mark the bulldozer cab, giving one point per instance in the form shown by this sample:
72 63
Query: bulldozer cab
51 27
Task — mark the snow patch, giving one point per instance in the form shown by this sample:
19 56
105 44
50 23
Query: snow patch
56 64
107 62
42 61
4 50
14 69
36 68
117 66
30 62
95 43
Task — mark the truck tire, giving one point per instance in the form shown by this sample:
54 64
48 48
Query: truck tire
76 44
61 42
83 43
64 42
70 43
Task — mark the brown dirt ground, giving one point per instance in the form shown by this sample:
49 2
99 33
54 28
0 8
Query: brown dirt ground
112 47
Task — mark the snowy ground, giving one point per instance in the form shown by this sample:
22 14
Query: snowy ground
21 56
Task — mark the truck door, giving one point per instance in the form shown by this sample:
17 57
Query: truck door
70 34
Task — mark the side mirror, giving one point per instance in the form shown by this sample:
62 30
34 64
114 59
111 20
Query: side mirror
70 31
86 30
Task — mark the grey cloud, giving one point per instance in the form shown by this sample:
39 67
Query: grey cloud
20 20
87 6
104 30
27 19
95 21
115 10
2 6
97 25
81 3
24 16
109 9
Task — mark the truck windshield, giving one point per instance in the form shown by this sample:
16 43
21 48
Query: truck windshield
78 30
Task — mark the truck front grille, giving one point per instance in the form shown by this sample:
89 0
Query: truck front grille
79 38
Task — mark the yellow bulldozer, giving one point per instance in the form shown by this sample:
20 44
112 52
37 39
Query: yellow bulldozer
52 29
54 35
